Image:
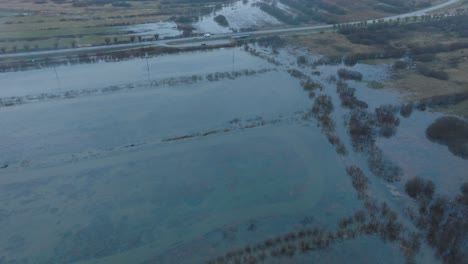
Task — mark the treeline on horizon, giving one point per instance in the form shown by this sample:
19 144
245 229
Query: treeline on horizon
124 3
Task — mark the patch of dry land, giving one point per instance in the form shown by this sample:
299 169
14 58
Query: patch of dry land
330 44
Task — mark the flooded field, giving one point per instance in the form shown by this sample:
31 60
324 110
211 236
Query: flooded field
183 158
162 28
240 15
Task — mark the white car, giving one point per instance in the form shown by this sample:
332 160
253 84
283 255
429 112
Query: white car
207 35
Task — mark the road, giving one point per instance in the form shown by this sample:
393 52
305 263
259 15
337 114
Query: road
165 42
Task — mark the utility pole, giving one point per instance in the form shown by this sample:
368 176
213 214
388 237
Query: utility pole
147 68
233 60
56 77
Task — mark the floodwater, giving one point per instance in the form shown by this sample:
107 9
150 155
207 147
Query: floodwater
240 15
102 185
177 168
409 148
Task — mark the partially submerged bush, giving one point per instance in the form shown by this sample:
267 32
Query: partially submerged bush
310 85
349 75
322 106
301 60
360 127
406 110
399 65
347 97
387 120
421 106
359 180
464 188
443 221
383 167
419 188
297 74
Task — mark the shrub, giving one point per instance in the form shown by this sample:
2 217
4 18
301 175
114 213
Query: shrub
387 120
400 65
383 167
323 105
349 75
437 74
360 127
421 106
406 110
221 20
359 180
418 188
301 60
464 188
310 85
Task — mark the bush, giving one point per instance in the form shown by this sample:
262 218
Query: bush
387 120
323 105
406 110
360 127
383 167
464 188
273 41
437 74
301 60
349 75
311 85
418 188
424 57
400 65
347 97
359 180
221 20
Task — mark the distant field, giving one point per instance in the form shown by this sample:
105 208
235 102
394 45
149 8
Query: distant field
48 24
339 11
